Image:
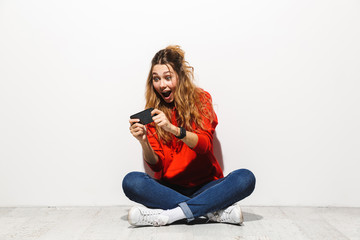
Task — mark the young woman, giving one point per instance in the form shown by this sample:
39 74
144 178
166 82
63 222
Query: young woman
178 147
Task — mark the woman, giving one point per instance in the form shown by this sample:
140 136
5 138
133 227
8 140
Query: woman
178 147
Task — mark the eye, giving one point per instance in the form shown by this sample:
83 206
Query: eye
168 77
155 79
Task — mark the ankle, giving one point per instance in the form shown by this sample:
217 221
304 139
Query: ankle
174 214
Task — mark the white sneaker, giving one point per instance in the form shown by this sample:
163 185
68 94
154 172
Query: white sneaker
142 216
230 214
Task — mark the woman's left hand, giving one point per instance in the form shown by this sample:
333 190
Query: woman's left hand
161 120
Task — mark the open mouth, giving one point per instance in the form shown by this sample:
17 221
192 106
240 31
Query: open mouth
166 94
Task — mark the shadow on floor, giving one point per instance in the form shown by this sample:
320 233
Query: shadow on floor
250 217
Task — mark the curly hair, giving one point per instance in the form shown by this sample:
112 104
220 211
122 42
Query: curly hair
189 100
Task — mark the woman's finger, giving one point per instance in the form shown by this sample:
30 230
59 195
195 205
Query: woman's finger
138 128
155 111
138 133
158 121
132 121
135 125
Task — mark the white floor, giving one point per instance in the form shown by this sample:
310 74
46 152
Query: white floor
104 223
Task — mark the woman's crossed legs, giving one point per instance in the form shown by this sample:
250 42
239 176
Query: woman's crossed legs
195 202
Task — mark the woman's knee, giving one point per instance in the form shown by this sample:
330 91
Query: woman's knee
132 181
246 178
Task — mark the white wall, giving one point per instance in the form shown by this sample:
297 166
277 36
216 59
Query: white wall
284 76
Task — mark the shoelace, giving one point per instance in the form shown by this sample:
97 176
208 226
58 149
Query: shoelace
149 217
221 215
224 216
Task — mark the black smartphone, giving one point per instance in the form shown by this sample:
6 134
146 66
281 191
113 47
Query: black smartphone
144 116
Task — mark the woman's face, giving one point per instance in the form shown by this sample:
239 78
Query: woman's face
164 80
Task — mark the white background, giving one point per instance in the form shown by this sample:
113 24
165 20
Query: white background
284 77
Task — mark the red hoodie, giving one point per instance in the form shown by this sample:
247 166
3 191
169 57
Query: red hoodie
179 164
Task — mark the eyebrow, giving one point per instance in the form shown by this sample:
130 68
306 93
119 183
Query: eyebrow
154 73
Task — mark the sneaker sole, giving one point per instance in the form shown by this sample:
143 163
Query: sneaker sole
241 215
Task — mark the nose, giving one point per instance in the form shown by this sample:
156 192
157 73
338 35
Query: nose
162 83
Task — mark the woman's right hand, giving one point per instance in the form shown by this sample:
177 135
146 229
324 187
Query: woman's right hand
138 130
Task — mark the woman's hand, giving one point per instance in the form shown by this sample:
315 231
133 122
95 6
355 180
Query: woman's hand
138 130
161 120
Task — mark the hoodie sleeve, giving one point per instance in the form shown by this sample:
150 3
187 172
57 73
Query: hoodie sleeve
205 137
156 146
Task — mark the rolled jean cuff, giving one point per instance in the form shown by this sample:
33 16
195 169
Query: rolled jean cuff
189 215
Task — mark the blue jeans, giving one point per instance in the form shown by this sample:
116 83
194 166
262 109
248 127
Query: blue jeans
195 202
